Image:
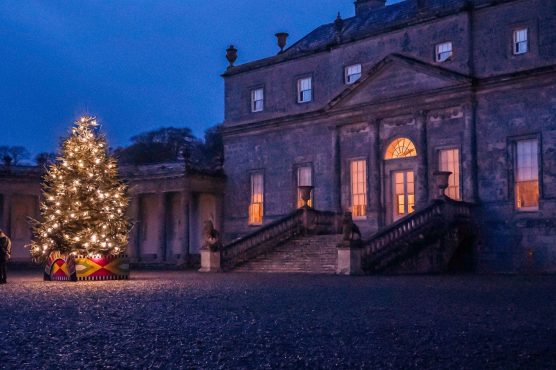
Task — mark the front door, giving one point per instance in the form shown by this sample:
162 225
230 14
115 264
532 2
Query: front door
404 194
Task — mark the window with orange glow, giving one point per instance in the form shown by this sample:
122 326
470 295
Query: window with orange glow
449 161
256 207
358 172
401 148
404 191
527 175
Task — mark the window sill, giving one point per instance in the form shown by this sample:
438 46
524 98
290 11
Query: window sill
359 218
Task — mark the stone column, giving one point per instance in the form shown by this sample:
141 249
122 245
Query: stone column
375 177
185 200
134 245
469 154
337 176
422 175
161 217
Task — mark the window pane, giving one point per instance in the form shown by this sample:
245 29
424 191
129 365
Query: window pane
257 195
358 173
257 99
521 41
527 174
449 161
353 73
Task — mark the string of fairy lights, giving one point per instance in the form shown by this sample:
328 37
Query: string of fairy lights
84 202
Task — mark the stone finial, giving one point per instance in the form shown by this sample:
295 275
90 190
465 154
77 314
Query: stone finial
231 55
282 38
338 27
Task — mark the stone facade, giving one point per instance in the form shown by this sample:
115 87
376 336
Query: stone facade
167 207
481 101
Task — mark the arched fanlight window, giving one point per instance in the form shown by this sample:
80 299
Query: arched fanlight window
401 148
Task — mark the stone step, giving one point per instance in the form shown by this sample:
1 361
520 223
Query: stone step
314 254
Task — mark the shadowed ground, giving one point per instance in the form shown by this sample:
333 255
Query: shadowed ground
191 320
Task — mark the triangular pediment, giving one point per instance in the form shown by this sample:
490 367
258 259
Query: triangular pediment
398 76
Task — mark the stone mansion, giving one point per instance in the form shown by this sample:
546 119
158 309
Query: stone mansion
360 115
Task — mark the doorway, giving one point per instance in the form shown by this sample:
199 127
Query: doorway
404 194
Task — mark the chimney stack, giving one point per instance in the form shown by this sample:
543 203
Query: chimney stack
364 7
282 38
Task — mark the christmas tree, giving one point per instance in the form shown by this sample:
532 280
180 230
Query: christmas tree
84 202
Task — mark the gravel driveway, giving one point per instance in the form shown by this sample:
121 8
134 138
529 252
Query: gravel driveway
193 320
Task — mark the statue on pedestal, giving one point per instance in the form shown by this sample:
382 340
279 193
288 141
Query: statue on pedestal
351 235
211 237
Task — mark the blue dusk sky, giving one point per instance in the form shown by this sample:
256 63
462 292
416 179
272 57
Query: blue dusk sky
135 64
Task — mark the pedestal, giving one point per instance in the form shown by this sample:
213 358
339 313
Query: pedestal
210 261
349 261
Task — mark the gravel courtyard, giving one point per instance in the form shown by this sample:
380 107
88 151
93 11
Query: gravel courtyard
192 320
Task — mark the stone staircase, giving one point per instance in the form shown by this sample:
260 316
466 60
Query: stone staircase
312 254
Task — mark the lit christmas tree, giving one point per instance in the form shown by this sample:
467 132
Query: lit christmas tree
84 204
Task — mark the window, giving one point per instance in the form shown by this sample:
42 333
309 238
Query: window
304 178
352 73
404 192
449 161
401 148
257 100
358 172
304 90
521 41
257 199
527 175
443 52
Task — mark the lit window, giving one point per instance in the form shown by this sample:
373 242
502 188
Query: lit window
304 178
257 199
404 189
358 172
443 51
521 44
304 90
527 175
257 100
449 161
353 73
401 148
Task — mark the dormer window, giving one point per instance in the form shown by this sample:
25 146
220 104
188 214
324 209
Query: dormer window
257 100
352 73
521 41
444 52
304 90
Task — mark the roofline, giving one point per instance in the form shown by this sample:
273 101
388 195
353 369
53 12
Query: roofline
283 58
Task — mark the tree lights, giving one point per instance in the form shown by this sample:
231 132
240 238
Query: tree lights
83 211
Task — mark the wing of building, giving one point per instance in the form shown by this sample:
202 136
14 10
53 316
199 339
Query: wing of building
367 109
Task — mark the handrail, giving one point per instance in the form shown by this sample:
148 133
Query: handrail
447 209
276 232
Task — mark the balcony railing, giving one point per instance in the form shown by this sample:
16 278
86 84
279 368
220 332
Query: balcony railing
381 244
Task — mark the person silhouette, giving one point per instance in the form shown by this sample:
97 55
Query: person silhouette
5 255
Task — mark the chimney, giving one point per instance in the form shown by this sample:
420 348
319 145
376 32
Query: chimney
364 7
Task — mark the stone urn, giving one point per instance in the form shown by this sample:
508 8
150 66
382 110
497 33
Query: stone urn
442 178
282 39
231 55
305 191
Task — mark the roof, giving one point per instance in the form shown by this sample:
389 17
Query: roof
376 22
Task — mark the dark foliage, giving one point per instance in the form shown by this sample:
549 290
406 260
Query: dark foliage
13 155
